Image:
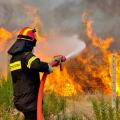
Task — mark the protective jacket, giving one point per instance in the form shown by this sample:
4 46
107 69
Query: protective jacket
25 68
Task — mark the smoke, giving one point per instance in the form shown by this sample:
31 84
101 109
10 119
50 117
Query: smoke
70 46
64 17
8 14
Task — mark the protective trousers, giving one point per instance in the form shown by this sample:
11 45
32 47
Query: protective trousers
30 115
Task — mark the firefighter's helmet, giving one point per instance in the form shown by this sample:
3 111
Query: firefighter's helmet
26 33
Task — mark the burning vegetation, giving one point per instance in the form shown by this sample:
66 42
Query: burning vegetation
89 71
92 68
5 37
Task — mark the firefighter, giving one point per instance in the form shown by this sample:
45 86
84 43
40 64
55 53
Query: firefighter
25 68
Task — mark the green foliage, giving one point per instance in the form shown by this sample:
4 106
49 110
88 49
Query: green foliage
6 100
6 94
104 111
111 114
53 104
74 117
96 109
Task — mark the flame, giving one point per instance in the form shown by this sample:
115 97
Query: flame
95 62
89 71
103 44
61 83
5 37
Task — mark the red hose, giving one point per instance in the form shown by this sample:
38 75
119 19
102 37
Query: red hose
40 97
41 88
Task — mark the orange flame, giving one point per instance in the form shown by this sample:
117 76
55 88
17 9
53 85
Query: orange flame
98 62
5 37
103 44
61 83
89 71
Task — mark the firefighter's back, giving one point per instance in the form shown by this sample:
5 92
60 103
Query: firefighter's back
25 82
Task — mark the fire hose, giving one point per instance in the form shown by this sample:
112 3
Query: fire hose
59 60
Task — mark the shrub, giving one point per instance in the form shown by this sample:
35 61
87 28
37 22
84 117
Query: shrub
104 111
53 104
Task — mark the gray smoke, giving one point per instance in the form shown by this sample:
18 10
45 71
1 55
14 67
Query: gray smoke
65 16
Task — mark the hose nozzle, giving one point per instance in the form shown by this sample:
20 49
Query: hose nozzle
59 59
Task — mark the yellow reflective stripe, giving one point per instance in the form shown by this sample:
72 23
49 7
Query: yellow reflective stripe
15 66
26 31
30 61
24 38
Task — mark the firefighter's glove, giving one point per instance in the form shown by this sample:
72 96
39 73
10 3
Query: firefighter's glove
57 60
54 63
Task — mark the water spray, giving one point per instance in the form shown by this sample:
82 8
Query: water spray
79 47
73 53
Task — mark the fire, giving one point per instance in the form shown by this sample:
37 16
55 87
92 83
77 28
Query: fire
5 37
61 83
92 68
103 44
89 71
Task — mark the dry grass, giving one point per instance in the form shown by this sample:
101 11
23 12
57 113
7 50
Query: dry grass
81 107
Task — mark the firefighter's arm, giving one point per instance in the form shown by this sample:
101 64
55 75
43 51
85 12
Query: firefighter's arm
40 66
34 63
